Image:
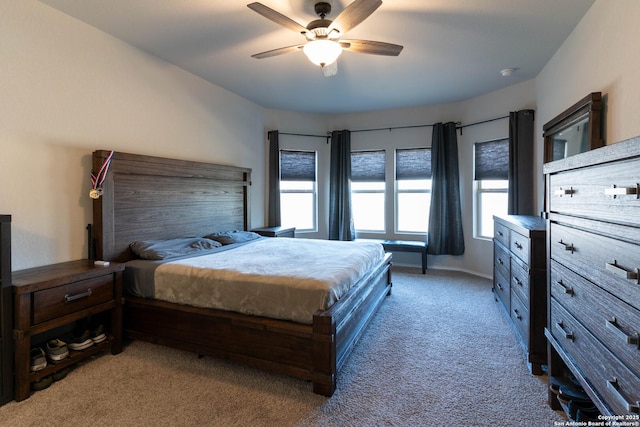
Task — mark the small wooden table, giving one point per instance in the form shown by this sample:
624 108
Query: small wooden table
53 296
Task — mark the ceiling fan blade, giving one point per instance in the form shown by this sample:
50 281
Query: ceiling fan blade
354 14
277 17
371 47
279 51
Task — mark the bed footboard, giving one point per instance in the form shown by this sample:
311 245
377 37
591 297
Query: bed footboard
337 330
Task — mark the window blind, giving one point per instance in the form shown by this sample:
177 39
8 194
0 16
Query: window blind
297 165
413 163
368 166
491 159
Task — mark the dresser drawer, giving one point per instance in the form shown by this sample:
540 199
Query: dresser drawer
501 233
501 260
612 380
606 192
520 280
519 246
56 302
609 263
612 321
520 315
501 288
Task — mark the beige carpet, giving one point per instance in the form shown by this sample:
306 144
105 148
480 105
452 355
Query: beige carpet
438 353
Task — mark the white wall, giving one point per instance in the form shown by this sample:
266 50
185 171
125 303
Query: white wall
67 90
600 55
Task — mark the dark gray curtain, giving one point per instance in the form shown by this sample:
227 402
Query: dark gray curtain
274 179
445 235
521 195
340 219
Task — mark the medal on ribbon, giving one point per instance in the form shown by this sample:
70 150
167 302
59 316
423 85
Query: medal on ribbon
97 179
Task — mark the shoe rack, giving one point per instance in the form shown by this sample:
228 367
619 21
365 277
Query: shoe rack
58 295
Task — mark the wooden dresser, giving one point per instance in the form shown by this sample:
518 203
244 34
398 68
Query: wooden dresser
6 312
519 280
593 207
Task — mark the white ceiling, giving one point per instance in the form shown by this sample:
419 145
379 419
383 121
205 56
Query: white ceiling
453 49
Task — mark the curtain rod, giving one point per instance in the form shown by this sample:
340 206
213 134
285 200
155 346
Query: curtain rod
303 134
482 122
459 126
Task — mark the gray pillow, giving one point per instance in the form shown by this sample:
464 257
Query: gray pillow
171 248
233 236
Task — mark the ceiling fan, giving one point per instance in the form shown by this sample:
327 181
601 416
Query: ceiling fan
324 44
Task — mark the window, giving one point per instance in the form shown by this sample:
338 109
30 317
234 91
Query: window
367 190
491 174
413 190
298 195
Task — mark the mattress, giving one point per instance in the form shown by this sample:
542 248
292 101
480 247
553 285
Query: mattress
280 278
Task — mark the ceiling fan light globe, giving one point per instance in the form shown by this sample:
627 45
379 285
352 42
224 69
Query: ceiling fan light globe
322 52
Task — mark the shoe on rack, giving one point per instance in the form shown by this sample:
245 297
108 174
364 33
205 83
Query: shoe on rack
42 383
38 359
98 334
57 350
80 340
61 374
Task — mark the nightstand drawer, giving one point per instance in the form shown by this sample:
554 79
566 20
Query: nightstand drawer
55 302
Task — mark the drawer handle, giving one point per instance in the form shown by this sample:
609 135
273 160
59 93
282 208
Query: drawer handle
567 246
500 261
499 286
567 335
615 327
69 298
614 388
518 281
499 233
518 316
623 191
567 289
564 192
621 272
518 245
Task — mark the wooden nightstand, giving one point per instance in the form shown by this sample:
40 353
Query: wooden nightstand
276 231
53 296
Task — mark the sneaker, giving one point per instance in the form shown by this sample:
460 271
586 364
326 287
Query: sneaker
57 350
81 341
98 335
61 374
42 383
38 359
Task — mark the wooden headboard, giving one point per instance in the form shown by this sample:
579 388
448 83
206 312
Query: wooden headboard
147 197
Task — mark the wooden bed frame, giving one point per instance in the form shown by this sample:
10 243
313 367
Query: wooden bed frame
157 198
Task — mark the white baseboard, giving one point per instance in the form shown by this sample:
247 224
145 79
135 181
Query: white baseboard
475 273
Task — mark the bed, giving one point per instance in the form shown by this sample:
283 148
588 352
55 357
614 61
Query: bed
151 198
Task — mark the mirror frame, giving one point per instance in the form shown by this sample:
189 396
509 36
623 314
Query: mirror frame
590 106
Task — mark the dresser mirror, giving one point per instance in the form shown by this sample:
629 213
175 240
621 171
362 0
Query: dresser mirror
575 130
